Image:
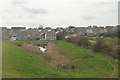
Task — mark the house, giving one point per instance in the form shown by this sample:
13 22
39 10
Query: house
81 31
47 28
19 33
40 27
33 34
22 35
15 31
42 34
109 29
5 32
115 28
71 30
102 30
95 30
59 29
60 34
29 34
89 30
50 35
13 38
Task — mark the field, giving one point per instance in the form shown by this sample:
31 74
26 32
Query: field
20 63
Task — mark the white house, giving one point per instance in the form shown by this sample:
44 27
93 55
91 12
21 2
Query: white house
50 35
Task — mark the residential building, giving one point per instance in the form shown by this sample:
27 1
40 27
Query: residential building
50 35
15 31
109 29
23 35
81 31
5 33
89 30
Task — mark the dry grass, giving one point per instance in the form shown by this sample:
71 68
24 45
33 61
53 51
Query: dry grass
57 58
54 55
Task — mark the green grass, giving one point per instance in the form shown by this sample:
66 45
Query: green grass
19 63
88 60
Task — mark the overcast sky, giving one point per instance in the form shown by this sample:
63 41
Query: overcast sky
54 13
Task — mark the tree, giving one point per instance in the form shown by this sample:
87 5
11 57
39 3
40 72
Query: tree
40 27
61 35
99 46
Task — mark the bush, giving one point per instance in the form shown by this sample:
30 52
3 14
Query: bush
115 51
102 46
74 40
107 47
84 42
99 46
61 35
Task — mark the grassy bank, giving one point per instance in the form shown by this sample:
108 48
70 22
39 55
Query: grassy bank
19 63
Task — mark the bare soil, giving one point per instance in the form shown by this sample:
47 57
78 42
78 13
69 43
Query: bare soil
53 55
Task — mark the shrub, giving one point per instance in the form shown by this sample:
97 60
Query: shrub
84 42
103 46
115 51
107 47
61 35
74 40
99 46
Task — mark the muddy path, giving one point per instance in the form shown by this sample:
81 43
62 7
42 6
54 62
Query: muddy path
53 55
32 48
57 58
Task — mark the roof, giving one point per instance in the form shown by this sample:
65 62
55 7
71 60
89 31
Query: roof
18 27
50 33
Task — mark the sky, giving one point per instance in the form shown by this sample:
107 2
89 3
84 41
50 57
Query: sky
58 13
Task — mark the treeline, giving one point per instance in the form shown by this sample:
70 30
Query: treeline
96 45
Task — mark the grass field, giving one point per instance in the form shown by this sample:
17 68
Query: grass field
19 63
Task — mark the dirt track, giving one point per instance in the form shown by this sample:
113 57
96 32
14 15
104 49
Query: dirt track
31 48
53 55
57 58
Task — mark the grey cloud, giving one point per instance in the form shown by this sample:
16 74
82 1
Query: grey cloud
22 5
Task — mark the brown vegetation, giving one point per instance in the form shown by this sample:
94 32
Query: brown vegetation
99 46
53 55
